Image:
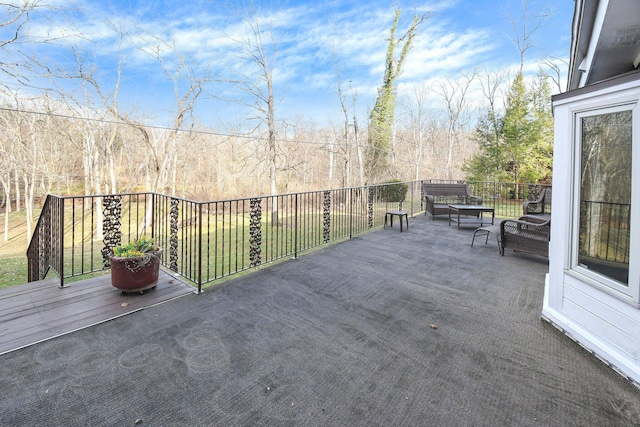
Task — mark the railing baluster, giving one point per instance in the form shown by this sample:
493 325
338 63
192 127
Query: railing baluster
61 238
291 224
295 226
200 254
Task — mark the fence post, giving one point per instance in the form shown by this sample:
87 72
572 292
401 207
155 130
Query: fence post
351 213
200 247
255 232
295 228
112 229
154 200
370 200
173 234
61 247
326 216
413 186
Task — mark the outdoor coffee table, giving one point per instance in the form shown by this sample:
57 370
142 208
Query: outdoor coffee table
476 211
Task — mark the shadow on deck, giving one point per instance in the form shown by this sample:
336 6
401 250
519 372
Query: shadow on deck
387 329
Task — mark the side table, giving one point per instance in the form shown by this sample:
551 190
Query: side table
399 214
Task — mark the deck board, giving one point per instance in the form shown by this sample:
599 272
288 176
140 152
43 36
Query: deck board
40 310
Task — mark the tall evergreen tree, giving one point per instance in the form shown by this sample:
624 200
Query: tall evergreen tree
516 128
516 146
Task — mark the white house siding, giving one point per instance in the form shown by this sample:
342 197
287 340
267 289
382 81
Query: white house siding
602 319
598 321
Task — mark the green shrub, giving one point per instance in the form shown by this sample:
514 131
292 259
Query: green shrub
393 191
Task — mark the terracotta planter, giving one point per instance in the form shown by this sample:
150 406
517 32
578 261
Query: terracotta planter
132 275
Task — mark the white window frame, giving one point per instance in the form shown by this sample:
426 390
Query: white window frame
608 103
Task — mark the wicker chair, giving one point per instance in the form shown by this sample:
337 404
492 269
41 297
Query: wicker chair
542 206
527 234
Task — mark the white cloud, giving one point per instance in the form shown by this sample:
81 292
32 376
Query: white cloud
315 42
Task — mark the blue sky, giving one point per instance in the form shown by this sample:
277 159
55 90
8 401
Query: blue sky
316 43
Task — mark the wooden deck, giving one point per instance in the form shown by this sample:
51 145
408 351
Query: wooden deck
38 311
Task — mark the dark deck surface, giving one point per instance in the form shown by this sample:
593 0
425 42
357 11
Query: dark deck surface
388 329
37 311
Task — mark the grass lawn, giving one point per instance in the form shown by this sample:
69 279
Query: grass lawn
13 250
226 253
13 270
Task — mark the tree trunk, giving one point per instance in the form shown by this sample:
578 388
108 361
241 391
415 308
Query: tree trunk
360 156
273 169
6 187
28 181
16 179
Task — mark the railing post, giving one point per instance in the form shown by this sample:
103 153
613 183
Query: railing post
326 216
370 200
295 228
413 186
151 215
173 234
200 248
351 213
61 247
255 232
112 227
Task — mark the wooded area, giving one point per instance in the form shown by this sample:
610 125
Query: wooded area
67 132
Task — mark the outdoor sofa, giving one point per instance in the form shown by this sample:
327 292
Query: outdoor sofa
438 197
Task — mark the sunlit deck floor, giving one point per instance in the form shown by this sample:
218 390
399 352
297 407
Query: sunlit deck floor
37 311
388 329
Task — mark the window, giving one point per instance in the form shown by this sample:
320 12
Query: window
604 217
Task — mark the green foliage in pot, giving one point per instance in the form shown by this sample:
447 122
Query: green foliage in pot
143 247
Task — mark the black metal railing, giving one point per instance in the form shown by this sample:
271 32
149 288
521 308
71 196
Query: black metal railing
206 241
45 249
505 197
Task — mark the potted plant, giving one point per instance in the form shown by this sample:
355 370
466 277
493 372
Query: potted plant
135 266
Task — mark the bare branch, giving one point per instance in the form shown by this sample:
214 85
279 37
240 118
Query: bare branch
526 28
554 70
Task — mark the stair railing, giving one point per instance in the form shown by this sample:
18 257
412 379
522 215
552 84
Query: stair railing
46 248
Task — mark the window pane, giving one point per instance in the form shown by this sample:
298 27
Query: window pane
605 197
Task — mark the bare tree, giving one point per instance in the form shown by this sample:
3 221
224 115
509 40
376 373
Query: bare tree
13 17
346 180
162 146
259 51
357 139
6 170
417 126
526 28
98 151
27 135
491 84
457 112
555 71
179 73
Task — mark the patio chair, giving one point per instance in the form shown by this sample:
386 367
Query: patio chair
541 206
528 234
